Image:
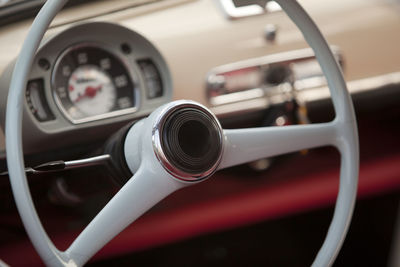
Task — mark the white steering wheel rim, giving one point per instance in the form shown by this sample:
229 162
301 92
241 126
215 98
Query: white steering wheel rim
345 138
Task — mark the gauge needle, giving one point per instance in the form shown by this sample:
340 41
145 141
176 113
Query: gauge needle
89 92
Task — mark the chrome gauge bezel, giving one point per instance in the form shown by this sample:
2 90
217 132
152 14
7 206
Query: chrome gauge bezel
132 76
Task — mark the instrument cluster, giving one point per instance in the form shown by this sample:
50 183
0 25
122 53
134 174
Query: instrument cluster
96 76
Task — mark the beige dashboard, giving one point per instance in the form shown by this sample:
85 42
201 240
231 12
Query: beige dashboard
194 37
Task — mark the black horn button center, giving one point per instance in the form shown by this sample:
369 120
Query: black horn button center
191 140
194 138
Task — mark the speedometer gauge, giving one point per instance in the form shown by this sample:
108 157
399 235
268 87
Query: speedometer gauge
90 83
91 90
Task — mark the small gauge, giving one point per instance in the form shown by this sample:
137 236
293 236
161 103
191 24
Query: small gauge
36 101
91 83
152 78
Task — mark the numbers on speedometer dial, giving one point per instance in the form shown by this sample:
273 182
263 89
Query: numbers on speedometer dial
91 83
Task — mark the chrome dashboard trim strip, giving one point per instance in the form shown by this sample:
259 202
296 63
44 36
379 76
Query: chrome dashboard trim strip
306 95
355 87
288 57
301 66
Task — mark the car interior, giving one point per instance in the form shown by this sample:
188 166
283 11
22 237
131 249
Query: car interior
199 133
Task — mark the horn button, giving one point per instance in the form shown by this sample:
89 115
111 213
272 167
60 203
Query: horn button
191 142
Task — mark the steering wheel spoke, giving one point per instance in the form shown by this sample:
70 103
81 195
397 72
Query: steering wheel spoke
146 188
245 145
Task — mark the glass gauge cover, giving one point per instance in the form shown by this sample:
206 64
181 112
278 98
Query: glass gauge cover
90 83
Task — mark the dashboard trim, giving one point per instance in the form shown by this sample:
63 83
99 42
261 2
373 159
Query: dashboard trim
306 95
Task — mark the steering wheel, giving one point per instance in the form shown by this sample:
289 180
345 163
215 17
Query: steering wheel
161 153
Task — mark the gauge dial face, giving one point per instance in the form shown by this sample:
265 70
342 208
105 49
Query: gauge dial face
90 83
91 90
